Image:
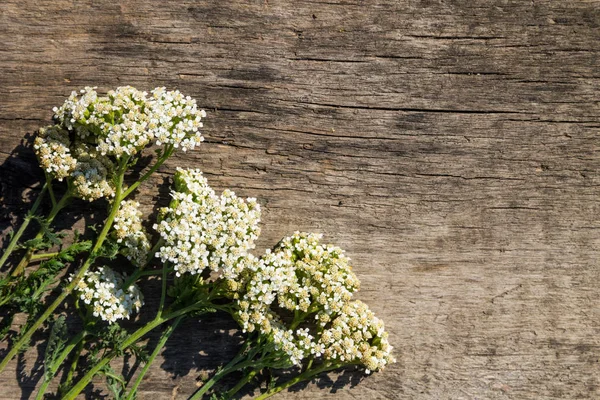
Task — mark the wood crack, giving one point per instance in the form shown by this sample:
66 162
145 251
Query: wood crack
500 178
407 109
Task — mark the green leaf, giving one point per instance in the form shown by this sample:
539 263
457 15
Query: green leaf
115 382
56 343
5 326
109 249
36 244
188 289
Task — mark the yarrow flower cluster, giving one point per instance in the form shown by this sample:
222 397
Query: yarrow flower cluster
103 292
325 280
92 176
202 230
129 232
126 120
261 283
107 128
302 275
76 107
52 148
175 119
123 121
356 336
300 278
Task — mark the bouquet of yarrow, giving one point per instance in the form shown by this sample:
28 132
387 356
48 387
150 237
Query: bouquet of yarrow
294 304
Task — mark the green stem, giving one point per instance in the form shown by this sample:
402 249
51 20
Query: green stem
154 249
69 288
309 363
299 316
79 386
159 162
28 255
241 383
41 256
234 365
150 273
306 375
134 337
163 292
57 364
50 190
165 336
19 233
6 299
138 273
74 363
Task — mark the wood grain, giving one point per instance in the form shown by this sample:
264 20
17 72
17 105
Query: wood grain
451 147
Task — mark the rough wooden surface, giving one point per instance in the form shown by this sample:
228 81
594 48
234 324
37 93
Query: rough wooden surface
451 147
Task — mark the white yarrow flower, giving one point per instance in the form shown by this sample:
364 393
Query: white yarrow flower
175 119
129 232
103 291
203 230
110 128
309 280
356 335
51 147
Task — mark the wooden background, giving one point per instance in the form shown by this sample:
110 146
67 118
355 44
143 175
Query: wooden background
451 147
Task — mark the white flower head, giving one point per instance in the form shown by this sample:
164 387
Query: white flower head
126 120
175 119
104 293
51 147
92 176
116 123
300 278
203 230
130 234
76 108
94 132
123 121
357 336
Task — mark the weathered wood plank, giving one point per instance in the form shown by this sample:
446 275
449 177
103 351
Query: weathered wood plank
451 147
